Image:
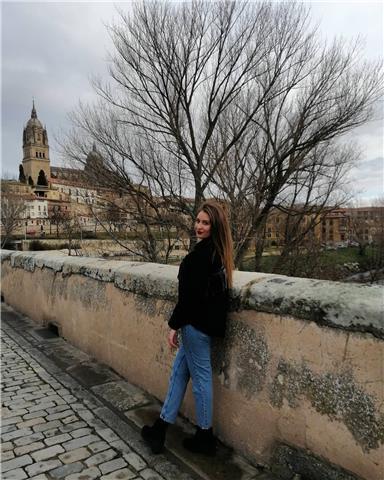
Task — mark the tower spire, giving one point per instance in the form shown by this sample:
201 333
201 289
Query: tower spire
33 114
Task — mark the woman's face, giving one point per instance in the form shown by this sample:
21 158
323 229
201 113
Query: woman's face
202 225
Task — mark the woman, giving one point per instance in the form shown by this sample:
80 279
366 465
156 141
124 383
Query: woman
205 275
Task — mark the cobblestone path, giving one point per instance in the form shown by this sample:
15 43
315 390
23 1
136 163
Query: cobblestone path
50 433
66 416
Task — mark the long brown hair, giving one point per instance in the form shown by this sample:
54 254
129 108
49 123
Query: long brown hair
220 234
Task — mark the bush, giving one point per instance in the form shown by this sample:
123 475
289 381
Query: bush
38 245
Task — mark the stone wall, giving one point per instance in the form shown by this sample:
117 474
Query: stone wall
298 378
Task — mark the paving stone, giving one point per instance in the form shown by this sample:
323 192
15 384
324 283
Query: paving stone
46 453
70 419
63 437
35 414
86 415
15 463
63 391
42 467
31 422
10 421
75 455
31 447
77 407
7 455
87 474
57 409
53 432
101 457
108 434
17 474
29 439
149 474
112 465
8 428
81 432
42 476
6 446
15 413
120 446
34 396
96 423
65 470
135 461
22 405
41 406
72 426
55 398
80 442
98 446
16 434
59 415
47 426
122 474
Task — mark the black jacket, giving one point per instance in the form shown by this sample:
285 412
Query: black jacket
203 292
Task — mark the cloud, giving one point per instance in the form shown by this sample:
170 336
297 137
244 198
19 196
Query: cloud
368 178
50 49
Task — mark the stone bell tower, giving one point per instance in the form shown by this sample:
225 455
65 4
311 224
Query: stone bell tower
36 152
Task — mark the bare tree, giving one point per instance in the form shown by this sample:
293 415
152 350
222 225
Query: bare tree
12 213
56 217
205 91
328 92
176 70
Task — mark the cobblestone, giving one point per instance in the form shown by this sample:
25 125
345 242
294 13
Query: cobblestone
112 465
31 447
135 461
75 455
57 439
60 429
7 456
120 446
46 453
31 423
10 421
99 446
16 463
29 439
87 474
6 446
16 434
80 442
81 432
17 474
101 457
42 467
149 474
122 474
65 470
47 426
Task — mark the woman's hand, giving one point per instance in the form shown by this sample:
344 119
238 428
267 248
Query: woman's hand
172 339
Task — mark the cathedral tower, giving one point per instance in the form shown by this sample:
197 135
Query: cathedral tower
36 151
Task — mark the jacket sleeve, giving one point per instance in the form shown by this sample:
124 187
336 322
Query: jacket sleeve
193 279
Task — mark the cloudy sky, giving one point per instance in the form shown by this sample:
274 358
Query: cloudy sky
51 49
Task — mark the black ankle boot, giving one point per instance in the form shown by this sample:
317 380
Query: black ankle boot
155 436
202 442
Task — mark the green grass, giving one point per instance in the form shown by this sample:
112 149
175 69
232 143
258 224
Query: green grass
328 258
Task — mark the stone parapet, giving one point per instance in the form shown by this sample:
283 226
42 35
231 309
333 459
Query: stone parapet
340 305
298 377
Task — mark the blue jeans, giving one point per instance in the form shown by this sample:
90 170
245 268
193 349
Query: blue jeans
193 360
